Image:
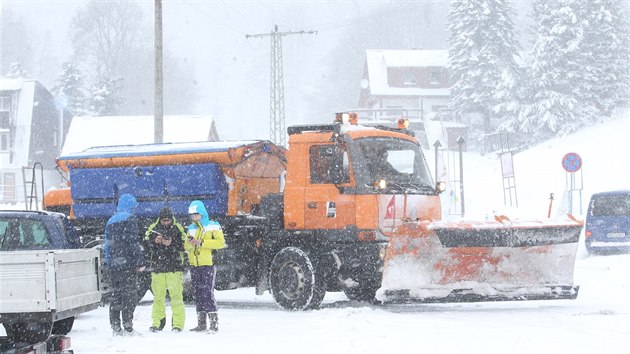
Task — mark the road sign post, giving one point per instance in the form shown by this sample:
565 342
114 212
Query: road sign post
572 164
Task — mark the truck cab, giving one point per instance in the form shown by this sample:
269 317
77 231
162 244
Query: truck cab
36 230
348 187
345 176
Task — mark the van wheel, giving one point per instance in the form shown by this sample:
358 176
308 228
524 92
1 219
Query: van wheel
295 285
64 326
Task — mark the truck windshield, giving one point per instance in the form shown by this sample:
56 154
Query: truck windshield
397 161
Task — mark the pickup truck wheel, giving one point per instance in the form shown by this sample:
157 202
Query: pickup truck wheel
293 280
64 326
32 332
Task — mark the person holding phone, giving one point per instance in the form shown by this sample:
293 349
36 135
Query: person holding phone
204 236
165 246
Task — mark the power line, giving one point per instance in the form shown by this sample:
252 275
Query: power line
277 128
238 12
214 18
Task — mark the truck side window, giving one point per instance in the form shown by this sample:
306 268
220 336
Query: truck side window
40 236
4 235
321 159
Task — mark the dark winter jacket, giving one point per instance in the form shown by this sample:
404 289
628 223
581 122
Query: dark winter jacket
165 259
122 237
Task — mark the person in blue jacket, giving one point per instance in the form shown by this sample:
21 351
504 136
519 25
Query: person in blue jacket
124 258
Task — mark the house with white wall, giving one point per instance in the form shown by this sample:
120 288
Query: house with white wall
414 80
33 124
414 84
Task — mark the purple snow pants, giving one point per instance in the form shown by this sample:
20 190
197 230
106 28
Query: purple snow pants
202 278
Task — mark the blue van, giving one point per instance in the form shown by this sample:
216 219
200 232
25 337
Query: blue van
608 222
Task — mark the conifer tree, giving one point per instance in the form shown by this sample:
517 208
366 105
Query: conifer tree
69 88
605 54
105 97
482 54
556 73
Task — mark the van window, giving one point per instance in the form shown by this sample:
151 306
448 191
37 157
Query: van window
609 205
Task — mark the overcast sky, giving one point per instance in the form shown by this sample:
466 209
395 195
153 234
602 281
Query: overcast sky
232 71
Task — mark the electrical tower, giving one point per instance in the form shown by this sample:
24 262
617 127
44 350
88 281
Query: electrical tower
277 128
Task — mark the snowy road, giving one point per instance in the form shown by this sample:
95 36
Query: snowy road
597 322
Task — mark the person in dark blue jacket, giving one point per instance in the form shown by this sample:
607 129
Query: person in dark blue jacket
124 258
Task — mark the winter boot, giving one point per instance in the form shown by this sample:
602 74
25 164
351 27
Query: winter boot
201 322
214 322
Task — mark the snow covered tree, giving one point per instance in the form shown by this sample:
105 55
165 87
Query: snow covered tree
111 39
16 44
107 34
69 88
605 51
557 73
104 97
16 71
482 65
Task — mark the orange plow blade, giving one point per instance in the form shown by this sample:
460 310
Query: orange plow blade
481 261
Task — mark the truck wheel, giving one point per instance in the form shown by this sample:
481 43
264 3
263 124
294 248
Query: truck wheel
63 327
32 332
360 293
295 285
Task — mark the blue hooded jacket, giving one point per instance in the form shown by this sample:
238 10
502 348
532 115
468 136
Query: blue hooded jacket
122 237
207 231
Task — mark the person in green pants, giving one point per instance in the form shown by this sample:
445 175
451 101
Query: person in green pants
165 245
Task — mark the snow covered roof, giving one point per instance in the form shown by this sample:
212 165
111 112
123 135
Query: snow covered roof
88 132
11 84
377 62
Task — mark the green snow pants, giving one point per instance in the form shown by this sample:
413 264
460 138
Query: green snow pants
160 283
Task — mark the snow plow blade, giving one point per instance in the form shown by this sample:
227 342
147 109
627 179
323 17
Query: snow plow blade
481 261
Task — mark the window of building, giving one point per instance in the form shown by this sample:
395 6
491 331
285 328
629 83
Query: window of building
410 79
434 78
7 186
5 103
5 112
4 140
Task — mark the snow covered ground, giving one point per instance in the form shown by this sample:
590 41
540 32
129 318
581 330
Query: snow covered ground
597 322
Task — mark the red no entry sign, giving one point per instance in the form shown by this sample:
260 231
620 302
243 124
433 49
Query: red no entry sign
571 162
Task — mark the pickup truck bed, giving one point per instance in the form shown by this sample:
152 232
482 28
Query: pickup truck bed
48 285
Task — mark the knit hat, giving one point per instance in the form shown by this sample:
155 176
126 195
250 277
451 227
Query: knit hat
166 213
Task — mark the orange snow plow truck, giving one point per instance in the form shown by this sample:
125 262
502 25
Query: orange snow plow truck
344 208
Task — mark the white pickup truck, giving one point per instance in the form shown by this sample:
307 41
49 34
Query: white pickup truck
44 282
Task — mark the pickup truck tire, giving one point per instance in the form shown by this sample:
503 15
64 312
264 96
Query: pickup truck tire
31 332
294 283
63 326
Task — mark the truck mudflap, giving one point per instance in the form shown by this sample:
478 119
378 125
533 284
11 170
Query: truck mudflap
481 261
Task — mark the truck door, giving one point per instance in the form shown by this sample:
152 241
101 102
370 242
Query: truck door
325 206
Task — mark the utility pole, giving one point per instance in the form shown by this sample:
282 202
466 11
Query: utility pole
158 120
277 128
